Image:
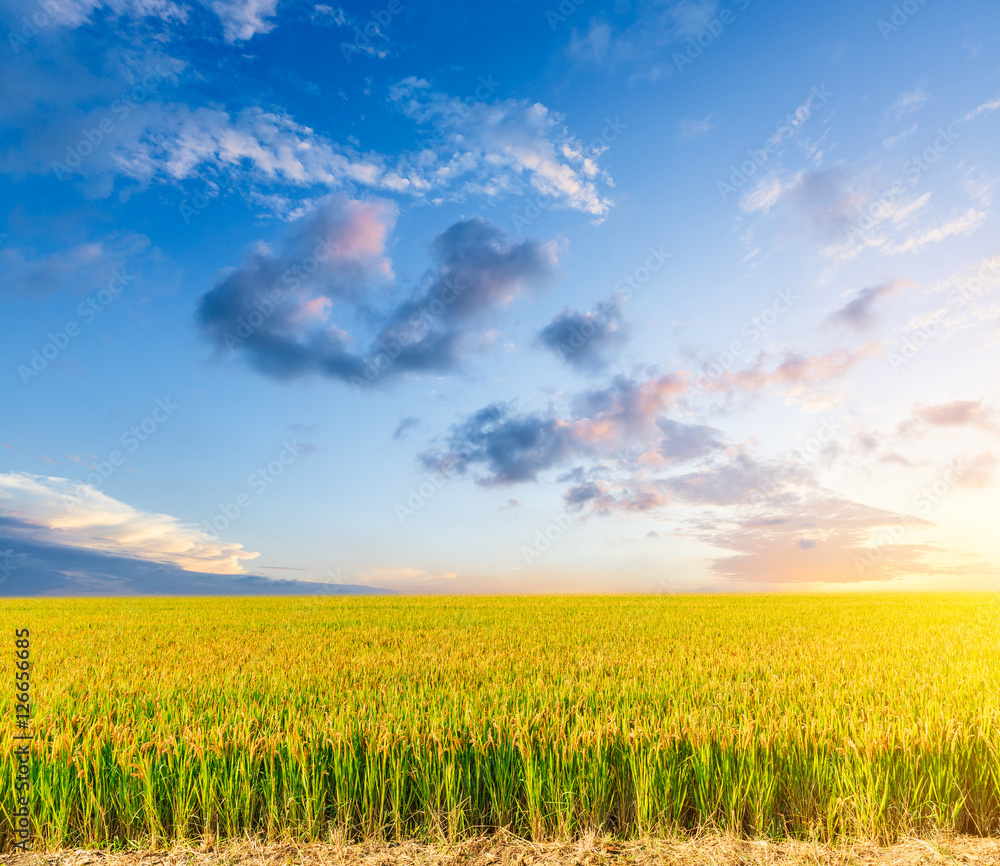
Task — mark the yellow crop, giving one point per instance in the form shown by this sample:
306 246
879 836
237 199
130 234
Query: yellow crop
817 717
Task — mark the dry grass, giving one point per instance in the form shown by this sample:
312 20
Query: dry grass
506 850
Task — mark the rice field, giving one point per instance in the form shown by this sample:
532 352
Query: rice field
783 717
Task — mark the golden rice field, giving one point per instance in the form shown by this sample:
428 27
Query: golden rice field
807 717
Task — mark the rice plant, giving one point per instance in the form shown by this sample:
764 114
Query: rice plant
388 718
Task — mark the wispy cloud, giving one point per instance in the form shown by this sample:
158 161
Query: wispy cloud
689 129
859 312
497 146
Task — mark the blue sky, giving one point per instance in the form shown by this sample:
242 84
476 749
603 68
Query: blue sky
632 297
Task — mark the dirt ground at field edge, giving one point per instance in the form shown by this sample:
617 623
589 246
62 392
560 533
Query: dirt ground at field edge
495 851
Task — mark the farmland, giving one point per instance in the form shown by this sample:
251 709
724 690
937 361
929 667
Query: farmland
785 717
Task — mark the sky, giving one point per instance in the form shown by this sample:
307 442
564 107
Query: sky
661 296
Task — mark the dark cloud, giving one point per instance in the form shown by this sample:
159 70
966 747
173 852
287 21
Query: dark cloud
859 312
585 341
287 309
583 493
513 446
477 271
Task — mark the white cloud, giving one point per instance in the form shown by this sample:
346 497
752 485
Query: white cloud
985 108
689 129
502 147
70 514
462 149
767 193
962 225
890 142
909 103
244 19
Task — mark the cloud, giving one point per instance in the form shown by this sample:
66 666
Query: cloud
244 19
477 271
499 148
240 19
978 472
908 103
83 268
512 446
796 371
961 226
404 427
38 569
689 129
859 312
779 525
509 446
684 442
642 45
460 149
286 307
957 413
76 13
585 341
825 198
819 537
57 511
274 309
740 479
404 574
890 142
984 109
